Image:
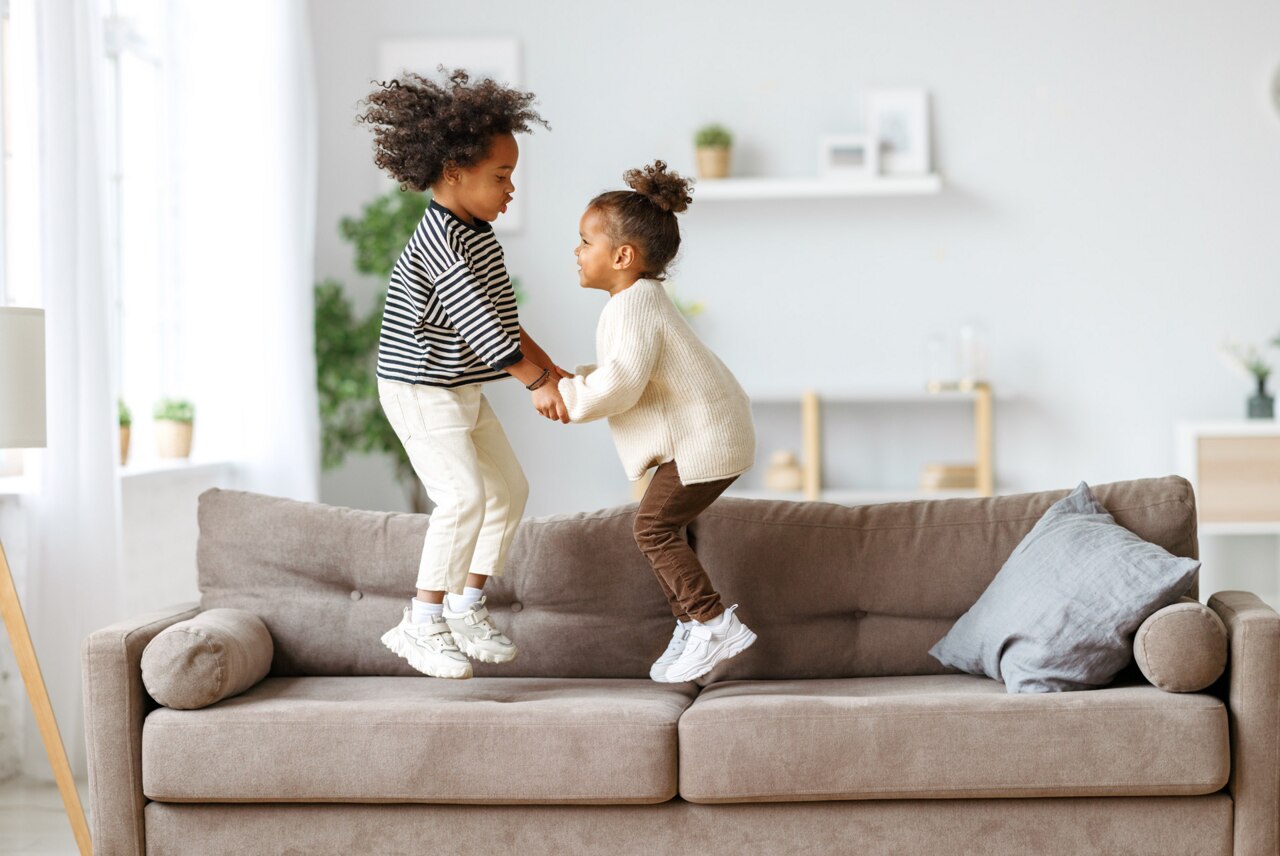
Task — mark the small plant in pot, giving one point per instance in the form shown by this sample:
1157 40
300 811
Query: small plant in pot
713 143
125 419
175 420
1247 359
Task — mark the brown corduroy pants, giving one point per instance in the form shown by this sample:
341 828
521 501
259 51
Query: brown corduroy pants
667 507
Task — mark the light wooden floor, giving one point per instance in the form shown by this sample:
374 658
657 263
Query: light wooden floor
32 820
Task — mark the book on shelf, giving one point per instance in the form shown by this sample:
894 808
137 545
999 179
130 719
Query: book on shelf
944 476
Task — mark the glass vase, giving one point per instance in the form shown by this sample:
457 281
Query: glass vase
1261 405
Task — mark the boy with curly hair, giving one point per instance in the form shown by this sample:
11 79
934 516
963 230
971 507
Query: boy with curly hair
449 327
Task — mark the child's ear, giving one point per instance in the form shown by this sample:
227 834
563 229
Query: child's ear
452 173
624 257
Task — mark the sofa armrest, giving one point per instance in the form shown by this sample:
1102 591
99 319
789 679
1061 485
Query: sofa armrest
1253 699
115 704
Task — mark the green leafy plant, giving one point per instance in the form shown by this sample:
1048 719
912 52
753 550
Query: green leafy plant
174 410
351 418
123 416
1246 359
713 137
688 308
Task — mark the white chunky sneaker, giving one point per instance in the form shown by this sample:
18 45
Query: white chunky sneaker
708 646
477 635
658 671
429 647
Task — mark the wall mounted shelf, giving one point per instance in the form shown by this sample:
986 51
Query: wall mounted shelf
746 189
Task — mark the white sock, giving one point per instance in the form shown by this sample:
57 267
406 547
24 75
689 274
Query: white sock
714 622
462 602
422 611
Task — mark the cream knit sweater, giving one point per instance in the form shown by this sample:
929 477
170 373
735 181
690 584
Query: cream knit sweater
667 397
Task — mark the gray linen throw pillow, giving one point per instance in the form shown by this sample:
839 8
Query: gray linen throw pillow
1062 612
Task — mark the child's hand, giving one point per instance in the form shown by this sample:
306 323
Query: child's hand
547 401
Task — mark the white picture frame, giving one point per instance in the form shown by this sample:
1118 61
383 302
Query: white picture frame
846 157
496 58
899 122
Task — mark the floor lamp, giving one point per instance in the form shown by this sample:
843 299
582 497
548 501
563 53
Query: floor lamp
22 426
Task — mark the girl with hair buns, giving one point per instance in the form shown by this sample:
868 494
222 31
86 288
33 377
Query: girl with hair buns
670 402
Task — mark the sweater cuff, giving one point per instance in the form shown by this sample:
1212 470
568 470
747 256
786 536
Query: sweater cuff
509 360
569 393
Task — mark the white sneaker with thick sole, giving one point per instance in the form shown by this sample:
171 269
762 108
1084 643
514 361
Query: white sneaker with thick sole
477 635
429 647
708 646
658 671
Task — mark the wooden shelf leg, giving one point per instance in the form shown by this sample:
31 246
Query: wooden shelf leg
811 430
983 435
24 652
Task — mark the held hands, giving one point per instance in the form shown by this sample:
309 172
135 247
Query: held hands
547 401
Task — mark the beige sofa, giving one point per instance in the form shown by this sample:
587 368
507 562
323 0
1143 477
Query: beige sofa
835 733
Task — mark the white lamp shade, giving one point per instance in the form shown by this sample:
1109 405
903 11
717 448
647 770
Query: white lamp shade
22 420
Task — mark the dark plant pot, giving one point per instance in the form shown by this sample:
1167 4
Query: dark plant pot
1261 405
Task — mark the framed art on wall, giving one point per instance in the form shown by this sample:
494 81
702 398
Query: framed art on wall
847 156
899 121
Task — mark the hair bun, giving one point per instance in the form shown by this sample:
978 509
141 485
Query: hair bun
668 190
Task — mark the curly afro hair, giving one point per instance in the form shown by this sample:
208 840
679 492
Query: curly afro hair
645 216
419 125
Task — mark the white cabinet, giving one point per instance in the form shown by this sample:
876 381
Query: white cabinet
1235 470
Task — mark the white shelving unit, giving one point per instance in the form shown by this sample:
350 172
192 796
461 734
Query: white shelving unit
1234 468
979 396
716 189
858 497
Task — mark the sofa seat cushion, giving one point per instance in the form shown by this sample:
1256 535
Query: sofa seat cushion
943 736
388 739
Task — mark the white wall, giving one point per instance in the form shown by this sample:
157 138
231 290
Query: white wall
1110 213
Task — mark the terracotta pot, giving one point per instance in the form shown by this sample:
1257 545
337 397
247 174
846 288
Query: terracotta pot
173 439
713 162
124 444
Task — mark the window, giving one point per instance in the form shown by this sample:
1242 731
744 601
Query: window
19 212
146 299
19 201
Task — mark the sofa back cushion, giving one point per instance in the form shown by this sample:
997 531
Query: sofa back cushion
836 592
577 597
832 591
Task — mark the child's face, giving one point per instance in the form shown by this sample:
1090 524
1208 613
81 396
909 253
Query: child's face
599 262
485 188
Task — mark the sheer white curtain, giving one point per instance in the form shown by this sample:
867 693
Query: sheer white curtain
246 146
243 138
74 557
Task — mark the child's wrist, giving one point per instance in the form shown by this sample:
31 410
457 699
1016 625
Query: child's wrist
540 382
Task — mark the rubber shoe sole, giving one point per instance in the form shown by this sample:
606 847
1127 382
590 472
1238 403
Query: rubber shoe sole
401 647
476 653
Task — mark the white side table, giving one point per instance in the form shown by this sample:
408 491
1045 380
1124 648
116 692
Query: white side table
1235 470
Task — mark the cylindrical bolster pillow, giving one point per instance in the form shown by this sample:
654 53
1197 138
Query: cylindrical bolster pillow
1181 648
205 659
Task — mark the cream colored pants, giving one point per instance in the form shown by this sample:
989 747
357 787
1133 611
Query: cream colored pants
459 450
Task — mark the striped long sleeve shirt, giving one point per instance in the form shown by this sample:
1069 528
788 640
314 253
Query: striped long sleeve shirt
450 318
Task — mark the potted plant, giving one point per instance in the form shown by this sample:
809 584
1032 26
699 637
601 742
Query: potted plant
713 142
1248 360
125 418
175 419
